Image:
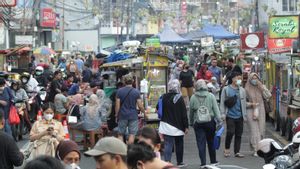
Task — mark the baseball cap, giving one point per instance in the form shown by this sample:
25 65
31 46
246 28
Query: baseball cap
108 145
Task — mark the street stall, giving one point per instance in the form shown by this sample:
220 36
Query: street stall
17 59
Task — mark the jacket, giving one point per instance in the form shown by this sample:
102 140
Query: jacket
210 101
243 98
175 114
10 153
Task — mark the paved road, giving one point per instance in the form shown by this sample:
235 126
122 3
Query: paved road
191 153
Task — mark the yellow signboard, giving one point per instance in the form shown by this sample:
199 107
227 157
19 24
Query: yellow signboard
156 61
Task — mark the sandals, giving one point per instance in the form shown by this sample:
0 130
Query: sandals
226 153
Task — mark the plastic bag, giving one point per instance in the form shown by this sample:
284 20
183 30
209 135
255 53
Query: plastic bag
255 113
13 115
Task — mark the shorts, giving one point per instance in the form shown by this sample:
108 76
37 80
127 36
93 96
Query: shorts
187 91
131 124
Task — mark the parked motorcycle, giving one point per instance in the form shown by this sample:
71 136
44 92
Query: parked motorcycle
277 157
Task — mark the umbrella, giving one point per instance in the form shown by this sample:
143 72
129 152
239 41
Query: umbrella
44 50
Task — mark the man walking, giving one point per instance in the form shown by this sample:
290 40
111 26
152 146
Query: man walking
128 98
233 107
109 153
216 71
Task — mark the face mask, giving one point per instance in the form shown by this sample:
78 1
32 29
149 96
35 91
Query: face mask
24 80
239 82
38 73
72 166
48 117
253 82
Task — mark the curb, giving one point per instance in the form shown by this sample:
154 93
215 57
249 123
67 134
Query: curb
278 137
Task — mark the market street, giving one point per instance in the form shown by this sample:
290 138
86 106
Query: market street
191 153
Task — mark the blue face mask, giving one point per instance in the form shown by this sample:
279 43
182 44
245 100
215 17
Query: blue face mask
253 82
239 82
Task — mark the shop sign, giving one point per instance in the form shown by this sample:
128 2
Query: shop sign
8 3
252 40
23 40
48 18
207 41
156 61
284 27
153 42
279 45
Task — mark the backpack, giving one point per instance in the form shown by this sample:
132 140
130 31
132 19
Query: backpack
202 113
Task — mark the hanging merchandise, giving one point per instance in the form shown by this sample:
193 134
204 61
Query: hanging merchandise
297 67
144 86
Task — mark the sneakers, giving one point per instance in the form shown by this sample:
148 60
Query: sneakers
181 165
215 164
209 166
239 155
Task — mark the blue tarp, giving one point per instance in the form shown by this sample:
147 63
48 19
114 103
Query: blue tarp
219 32
168 35
195 35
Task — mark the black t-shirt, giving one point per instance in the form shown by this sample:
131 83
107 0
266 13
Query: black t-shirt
186 78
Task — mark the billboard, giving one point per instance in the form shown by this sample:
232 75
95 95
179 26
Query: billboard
283 27
279 45
252 40
48 18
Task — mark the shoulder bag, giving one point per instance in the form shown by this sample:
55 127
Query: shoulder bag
229 101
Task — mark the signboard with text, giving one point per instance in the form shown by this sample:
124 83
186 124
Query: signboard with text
284 27
153 42
252 40
23 40
48 18
279 45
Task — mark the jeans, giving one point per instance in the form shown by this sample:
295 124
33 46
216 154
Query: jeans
169 144
7 127
205 132
234 128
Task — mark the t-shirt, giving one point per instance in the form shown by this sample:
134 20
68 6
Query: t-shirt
73 89
216 71
186 78
128 109
59 101
236 111
79 64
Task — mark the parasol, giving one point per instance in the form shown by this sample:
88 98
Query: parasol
44 50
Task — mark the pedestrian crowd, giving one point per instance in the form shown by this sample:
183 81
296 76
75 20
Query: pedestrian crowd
206 97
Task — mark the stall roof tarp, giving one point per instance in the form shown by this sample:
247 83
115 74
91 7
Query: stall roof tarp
195 35
168 35
219 32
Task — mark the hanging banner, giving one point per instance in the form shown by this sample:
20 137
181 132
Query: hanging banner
279 45
252 40
284 27
48 18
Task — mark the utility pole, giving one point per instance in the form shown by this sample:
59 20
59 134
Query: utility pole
63 27
257 15
99 26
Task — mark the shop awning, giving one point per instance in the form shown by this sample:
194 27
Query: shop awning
219 32
168 35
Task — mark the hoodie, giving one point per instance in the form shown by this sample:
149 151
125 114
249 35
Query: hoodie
210 101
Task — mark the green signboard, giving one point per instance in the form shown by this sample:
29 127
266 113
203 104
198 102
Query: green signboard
153 42
284 27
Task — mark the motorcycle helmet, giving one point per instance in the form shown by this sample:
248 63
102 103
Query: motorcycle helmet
267 148
39 70
296 126
296 138
25 77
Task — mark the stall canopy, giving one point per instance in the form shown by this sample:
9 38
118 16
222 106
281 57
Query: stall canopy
168 35
195 35
219 32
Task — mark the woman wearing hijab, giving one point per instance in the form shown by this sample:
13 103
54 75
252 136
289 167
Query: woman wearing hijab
204 129
256 92
204 73
90 115
174 122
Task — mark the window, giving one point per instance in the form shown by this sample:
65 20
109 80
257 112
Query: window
289 5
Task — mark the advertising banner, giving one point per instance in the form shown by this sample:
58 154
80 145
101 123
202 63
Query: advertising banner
252 40
284 27
279 45
48 18
23 39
